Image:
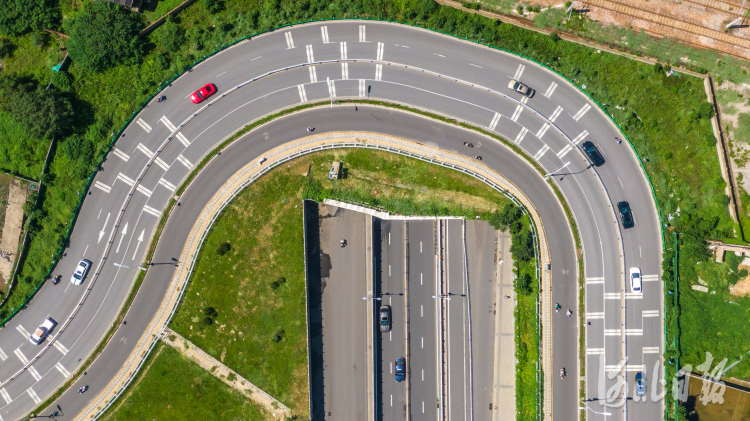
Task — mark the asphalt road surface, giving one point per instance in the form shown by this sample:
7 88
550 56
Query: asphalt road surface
104 236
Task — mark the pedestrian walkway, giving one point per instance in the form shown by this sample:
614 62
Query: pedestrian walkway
504 386
222 372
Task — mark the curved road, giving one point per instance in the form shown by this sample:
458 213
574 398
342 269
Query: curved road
621 325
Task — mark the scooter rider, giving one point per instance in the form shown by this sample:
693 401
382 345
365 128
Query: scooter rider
557 307
569 312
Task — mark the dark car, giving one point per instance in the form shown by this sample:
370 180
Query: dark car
626 216
400 369
385 318
203 93
640 384
593 153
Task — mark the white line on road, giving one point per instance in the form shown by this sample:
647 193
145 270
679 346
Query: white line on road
541 152
595 280
421 279
302 93
160 162
550 90
519 72
6 396
313 74
594 351
521 135
633 296
581 112
33 395
634 332
580 137
62 369
420 246
362 88
472 64
494 121
256 58
378 72
421 310
289 40
343 50
3 356
143 190
391 400
35 374
651 350
152 211
422 341
379 55
185 162
611 295
220 74
650 313
542 130
517 113
556 114
648 278
324 33
612 332
345 71
564 151
595 315
23 331
389 270
20 356
143 125
120 154
146 151
439 55
362 34
167 185
103 187
60 347
423 374
310 56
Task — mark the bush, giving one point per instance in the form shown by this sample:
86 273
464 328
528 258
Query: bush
223 249
522 246
39 38
170 36
523 284
278 336
210 312
63 81
104 35
232 376
6 48
42 113
20 16
470 5
212 6
208 321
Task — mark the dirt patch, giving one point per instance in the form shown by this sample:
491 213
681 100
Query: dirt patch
742 287
12 229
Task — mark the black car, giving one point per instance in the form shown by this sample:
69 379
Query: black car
593 153
626 216
385 318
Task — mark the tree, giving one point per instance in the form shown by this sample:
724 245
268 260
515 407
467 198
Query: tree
223 249
104 35
42 113
522 246
170 36
20 16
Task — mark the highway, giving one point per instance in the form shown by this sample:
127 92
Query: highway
536 125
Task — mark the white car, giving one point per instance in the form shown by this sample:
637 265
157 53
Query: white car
519 87
42 331
636 282
80 272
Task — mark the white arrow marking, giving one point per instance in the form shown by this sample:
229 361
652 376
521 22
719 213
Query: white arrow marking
140 240
124 231
101 233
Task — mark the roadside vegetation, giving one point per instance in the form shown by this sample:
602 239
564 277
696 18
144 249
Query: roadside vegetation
171 387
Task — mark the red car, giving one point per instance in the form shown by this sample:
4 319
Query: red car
203 93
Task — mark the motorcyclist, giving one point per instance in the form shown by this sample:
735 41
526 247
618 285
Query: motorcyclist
569 312
562 372
343 243
557 307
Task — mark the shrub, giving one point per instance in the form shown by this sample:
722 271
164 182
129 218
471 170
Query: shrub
208 321
6 48
523 284
223 249
212 6
63 81
20 16
232 376
42 113
39 38
470 5
278 336
522 246
170 36
210 312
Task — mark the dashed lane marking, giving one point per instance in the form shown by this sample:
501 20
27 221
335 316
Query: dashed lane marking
379 55
310 55
313 74
289 40
649 278
564 152
612 332
20 356
152 211
362 88
650 313
62 369
167 185
302 93
580 137
35 374
33 395
634 332
125 179
120 154
143 125
23 331
519 72
343 50
345 71
146 151
362 34
541 153
594 351
160 162
651 350
577 116
595 280
521 135
378 72
144 190
595 315
556 114
60 347
494 121
517 112
633 296
185 162
542 130
3 356
101 186
6 396
324 33
332 89
612 296
550 90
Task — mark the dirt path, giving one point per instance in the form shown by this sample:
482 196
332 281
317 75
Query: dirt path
12 230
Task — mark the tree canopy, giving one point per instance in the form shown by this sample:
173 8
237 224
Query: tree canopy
20 16
104 35
42 113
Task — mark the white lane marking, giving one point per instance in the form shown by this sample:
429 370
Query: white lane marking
125 179
519 72
439 55
542 130
494 121
160 162
389 234
144 190
378 72
616 368
310 55
550 90
33 395
289 40
521 135
144 125
362 94
420 247
595 280
640 252
152 211
621 185
594 351
612 332
169 186
60 347
611 295
556 114
181 137
650 313
343 50
220 74
302 93
421 280
20 356
423 407
146 151
472 64
421 310
581 112
633 296
345 71
541 153
313 74
62 369
164 120
649 278
595 315
332 88
651 350
124 231
635 367
6 396
256 58
120 154
422 341
103 187
324 33
423 374
185 162
362 34
402 46
35 374
580 137
634 332
379 55
23 331
524 100
391 400
3 356
391 367
564 151
389 270
517 113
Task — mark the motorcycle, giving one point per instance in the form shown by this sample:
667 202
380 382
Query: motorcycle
161 98
343 243
477 157
569 312
557 308
468 145
562 373
56 279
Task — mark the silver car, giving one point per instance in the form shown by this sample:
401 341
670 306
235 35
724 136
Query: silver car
42 331
80 272
520 87
636 282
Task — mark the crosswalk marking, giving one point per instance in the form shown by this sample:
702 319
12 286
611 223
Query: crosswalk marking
324 33
152 211
332 88
564 151
594 351
612 332
379 55
20 356
634 332
633 296
556 114
649 278
344 71
550 90
146 151
3 357
494 121
125 179
302 93
289 40
612 296
185 162
144 125
313 74
651 350
120 154
310 55
362 33
580 137
23 331
343 50
144 190
60 347
521 135
101 186
169 186
378 72
6 396
542 130
650 313
581 112
34 373
62 369
519 72
362 88
541 153
517 113
595 315
33 395
160 162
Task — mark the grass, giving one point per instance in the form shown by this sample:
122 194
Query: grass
172 387
162 8
18 153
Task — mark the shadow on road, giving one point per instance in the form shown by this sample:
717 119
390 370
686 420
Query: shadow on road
314 309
